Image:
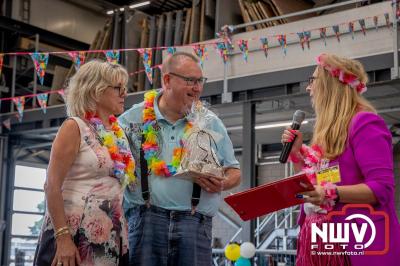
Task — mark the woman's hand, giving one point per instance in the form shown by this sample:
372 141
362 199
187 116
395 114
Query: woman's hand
66 254
315 196
289 135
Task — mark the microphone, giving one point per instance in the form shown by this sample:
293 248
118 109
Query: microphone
298 118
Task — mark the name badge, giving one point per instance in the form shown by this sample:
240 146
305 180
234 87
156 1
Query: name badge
330 174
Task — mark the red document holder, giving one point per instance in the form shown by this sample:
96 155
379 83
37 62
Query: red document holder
269 197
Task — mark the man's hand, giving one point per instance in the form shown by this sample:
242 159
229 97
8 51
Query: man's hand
210 184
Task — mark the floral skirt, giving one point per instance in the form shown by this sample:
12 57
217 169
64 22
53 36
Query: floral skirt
99 233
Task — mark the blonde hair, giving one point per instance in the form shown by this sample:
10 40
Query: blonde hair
335 104
89 83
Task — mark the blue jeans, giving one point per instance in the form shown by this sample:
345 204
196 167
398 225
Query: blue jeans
160 237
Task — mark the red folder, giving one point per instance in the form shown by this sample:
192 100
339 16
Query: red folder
269 197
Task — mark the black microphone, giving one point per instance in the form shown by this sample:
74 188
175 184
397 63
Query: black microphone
298 118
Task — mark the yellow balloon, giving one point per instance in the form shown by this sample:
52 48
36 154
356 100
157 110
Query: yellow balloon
232 252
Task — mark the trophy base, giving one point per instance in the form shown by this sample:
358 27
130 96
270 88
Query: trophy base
188 175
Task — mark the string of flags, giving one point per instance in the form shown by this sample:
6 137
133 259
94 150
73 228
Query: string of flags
224 47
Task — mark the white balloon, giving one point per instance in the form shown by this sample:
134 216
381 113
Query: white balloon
247 250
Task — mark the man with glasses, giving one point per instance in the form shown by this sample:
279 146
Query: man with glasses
169 222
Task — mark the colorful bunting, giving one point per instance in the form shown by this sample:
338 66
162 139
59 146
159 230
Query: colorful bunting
264 43
112 56
40 62
322 34
42 100
376 22
307 38
222 51
20 104
301 37
171 50
387 20
226 36
244 48
1 62
201 51
362 25
304 38
282 42
351 29
7 123
146 54
78 58
336 30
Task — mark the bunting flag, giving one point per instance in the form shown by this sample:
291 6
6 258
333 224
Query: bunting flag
226 36
362 25
1 62
301 37
20 104
304 39
112 56
171 51
244 48
282 43
222 51
201 51
40 62
146 54
307 38
78 58
322 34
336 30
376 22
387 20
351 29
7 123
264 44
42 100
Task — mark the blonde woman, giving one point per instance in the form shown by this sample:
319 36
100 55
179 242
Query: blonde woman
90 163
351 143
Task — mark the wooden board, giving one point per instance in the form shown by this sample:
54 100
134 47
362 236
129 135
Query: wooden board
195 22
178 28
291 6
187 26
252 14
267 13
258 14
245 15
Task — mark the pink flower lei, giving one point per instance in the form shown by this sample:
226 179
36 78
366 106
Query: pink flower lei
346 78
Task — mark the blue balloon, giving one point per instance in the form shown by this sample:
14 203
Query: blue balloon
243 262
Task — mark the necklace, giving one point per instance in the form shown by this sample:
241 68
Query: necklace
118 148
150 144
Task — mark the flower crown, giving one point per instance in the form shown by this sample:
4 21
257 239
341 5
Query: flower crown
346 78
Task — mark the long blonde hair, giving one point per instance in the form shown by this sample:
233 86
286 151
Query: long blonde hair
335 104
88 84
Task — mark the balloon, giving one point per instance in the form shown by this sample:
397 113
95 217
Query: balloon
243 262
247 250
232 251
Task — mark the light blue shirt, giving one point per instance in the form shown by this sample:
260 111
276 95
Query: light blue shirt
170 192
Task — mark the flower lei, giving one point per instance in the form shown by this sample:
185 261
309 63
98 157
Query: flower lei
150 145
346 78
118 148
314 162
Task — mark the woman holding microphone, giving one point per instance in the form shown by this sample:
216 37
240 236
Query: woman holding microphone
349 161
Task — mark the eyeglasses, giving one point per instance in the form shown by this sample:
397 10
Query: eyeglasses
311 80
121 90
190 81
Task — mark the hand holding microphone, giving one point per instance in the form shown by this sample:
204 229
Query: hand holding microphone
291 137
